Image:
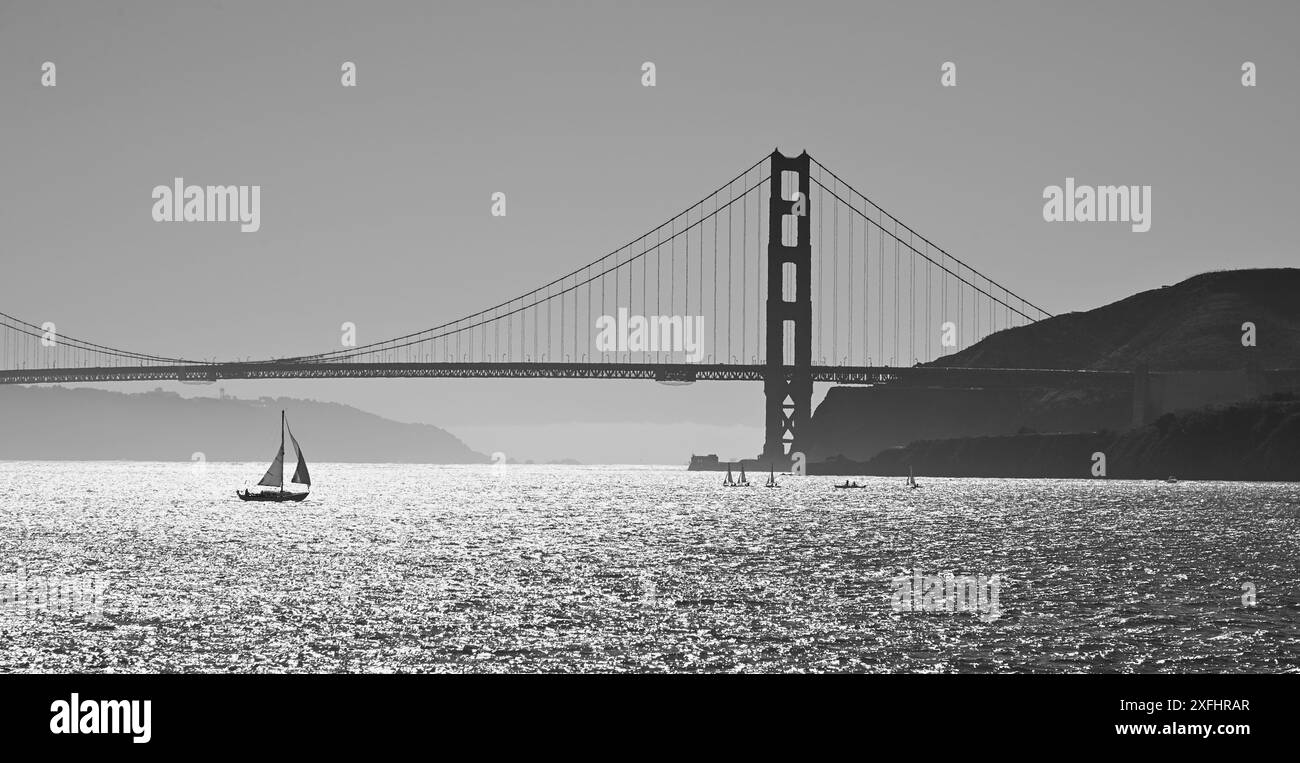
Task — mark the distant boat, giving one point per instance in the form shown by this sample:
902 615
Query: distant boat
1171 478
743 481
729 482
771 477
911 480
275 475
849 486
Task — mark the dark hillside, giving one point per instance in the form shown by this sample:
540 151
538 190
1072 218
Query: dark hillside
1194 325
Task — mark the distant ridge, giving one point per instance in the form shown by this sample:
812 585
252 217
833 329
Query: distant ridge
1194 325
59 423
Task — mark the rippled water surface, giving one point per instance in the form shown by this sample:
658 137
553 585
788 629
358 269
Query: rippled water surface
521 568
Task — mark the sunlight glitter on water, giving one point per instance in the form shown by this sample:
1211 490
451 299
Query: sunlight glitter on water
556 568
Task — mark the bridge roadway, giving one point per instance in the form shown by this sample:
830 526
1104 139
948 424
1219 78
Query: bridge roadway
920 376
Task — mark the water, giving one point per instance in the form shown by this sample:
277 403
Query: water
520 568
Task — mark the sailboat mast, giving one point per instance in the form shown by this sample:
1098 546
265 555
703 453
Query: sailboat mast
282 450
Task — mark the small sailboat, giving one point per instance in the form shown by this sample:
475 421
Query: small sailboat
911 479
275 475
743 481
729 482
771 477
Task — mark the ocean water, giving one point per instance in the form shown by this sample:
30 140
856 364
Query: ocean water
158 567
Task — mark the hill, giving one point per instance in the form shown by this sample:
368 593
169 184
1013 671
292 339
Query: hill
1194 325
40 423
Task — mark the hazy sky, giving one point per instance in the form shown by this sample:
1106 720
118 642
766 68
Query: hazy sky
376 199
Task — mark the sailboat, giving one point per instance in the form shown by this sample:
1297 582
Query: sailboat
911 480
743 481
729 482
275 475
771 477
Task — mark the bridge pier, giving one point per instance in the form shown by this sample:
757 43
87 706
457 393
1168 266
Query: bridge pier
787 387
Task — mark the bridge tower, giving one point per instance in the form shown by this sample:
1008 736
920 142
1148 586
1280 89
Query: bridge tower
788 386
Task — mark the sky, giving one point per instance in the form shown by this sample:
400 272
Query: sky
375 203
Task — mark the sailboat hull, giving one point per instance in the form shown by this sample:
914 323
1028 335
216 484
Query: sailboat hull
277 496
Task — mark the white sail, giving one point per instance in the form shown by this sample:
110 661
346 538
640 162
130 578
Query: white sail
275 475
300 474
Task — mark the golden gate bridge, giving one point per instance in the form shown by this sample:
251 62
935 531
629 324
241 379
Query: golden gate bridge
745 259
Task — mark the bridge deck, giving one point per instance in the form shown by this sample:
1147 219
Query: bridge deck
672 372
